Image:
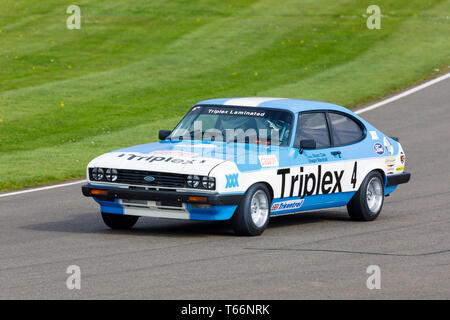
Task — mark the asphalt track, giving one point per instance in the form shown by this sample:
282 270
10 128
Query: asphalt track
316 255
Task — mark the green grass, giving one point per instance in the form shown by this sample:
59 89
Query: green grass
67 96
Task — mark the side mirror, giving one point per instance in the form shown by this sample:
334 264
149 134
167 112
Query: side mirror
163 134
307 144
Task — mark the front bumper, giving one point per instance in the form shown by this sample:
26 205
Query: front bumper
113 193
398 179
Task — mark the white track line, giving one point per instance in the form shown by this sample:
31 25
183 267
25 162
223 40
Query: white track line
368 108
403 94
41 188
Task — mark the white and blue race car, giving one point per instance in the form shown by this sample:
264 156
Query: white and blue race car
248 159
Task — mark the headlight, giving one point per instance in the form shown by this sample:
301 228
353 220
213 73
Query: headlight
97 174
111 175
193 181
208 182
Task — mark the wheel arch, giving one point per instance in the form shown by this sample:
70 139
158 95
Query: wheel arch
379 170
269 187
383 174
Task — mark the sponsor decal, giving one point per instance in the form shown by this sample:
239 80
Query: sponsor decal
400 169
232 180
389 160
236 112
374 135
287 205
307 184
268 161
378 148
388 145
317 157
150 159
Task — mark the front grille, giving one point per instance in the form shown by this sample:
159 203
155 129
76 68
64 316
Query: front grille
146 179
161 179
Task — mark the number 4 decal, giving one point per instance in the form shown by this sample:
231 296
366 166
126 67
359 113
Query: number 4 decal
354 174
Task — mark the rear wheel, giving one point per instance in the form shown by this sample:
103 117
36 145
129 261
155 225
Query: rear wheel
367 203
119 221
252 216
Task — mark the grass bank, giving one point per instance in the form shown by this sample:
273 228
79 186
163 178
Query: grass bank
137 66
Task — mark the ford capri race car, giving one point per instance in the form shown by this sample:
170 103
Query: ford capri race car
248 159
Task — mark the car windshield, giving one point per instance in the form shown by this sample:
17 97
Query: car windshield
235 124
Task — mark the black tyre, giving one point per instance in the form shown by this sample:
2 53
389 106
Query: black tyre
252 215
119 221
368 201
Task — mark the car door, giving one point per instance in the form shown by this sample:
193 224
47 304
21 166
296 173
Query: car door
320 170
347 134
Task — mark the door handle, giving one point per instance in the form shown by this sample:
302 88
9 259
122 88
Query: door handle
336 153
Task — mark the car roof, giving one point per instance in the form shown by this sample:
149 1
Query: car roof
294 105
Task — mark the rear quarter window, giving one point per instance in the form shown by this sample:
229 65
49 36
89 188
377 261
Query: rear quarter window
345 130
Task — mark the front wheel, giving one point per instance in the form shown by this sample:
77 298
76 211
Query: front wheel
366 204
119 221
252 216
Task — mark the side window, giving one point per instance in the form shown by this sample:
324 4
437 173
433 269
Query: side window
313 126
345 130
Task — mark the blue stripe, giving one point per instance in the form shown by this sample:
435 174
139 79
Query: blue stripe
214 213
321 201
110 206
